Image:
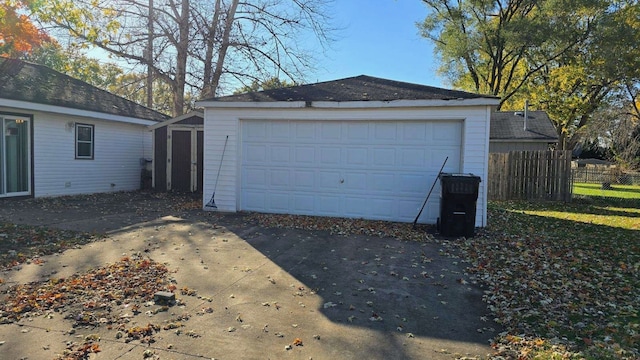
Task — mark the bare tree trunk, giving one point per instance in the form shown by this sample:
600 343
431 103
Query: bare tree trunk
207 90
182 50
215 79
150 58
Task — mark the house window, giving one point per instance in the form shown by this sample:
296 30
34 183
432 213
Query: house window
84 141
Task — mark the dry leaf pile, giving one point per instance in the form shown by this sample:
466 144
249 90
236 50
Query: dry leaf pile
92 298
342 226
23 243
109 296
559 287
107 203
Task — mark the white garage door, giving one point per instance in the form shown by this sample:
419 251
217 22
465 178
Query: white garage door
373 170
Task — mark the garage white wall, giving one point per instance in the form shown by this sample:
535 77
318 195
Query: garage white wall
220 122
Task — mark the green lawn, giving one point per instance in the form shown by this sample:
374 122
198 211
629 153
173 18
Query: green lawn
617 191
563 278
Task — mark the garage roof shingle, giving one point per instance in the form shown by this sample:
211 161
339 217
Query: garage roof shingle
358 88
24 81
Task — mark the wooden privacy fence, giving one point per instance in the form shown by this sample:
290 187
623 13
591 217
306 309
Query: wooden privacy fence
530 175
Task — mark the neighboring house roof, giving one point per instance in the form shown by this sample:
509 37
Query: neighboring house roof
24 81
358 88
509 125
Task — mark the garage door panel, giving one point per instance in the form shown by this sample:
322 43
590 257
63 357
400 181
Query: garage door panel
305 156
357 132
254 200
331 155
356 182
357 156
412 157
305 130
385 132
408 209
329 181
256 154
436 156
412 184
279 130
278 201
383 183
432 209
355 206
304 180
279 179
256 132
362 169
253 178
280 155
414 132
303 203
381 208
442 133
385 157
330 132
328 205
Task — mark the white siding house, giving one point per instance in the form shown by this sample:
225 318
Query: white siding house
360 147
67 137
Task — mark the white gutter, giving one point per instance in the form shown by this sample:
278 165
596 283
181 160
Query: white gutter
254 104
349 104
405 103
30 106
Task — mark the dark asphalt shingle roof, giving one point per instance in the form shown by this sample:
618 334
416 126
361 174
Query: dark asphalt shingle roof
509 125
24 81
358 88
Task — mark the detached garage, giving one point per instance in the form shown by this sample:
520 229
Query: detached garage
360 147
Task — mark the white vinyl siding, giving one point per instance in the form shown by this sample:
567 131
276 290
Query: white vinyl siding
220 122
118 148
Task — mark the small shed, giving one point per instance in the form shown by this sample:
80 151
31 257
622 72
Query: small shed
178 153
510 131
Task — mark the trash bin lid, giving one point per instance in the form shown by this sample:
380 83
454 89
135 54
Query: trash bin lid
459 175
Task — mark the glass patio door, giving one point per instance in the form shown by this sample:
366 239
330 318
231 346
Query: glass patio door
15 157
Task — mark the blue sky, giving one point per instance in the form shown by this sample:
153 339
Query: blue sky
380 38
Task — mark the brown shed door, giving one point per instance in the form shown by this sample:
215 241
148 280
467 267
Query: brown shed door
184 163
181 160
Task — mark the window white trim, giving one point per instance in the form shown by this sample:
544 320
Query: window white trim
79 141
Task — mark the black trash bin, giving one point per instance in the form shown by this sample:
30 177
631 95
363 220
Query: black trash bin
458 204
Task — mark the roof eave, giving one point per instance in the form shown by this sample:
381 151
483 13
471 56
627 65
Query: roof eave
176 119
482 101
31 106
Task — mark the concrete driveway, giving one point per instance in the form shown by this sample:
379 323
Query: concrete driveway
257 289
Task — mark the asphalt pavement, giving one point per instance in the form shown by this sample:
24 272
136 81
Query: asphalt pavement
258 292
